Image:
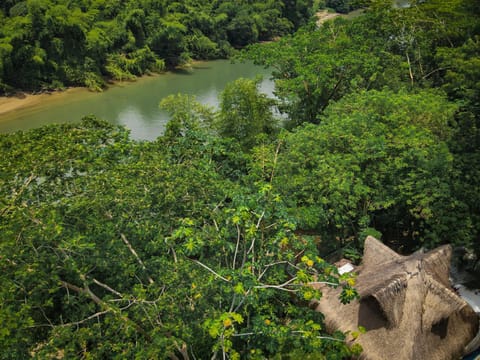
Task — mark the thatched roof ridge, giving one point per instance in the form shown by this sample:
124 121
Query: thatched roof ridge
376 253
439 304
437 264
389 286
391 298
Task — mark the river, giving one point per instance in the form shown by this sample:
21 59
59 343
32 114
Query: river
135 104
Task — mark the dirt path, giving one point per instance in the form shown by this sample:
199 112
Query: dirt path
324 15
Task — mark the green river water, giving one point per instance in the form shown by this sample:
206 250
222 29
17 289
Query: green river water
135 104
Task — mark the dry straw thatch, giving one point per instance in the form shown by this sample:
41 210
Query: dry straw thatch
406 304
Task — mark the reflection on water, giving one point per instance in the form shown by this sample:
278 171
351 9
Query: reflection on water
135 104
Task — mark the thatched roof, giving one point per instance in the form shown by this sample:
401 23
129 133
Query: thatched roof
406 304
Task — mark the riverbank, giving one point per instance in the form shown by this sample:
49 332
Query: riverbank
23 100
133 104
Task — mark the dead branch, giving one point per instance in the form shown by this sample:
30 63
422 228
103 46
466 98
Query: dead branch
236 246
409 67
86 290
182 350
93 316
260 219
211 270
434 71
275 159
106 287
266 267
132 250
280 286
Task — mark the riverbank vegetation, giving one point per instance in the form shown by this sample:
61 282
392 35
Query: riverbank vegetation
49 44
204 243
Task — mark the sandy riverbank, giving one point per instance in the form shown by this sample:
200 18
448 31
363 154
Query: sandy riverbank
22 101
12 103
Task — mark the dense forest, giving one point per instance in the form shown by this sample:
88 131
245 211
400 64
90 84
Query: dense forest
49 44
205 242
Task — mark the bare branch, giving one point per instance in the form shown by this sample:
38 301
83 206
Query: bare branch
96 315
132 250
271 225
275 159
106 287
218 205
434 71
281 286
11 262
175 260
331 95
410 72
293 332
216 225
236 247
318 337
252 245
322 283
260 219
248 334
239 305
183 350
209 269
45 316
85 291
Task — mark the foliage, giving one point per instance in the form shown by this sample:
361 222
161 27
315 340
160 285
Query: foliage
392 47
380 160
207 242
186 115
461 82
399 52
245 113
319 65
44 43
113 248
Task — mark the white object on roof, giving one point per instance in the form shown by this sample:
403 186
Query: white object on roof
345 268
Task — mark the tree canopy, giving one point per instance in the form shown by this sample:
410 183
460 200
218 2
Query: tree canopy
325 72
205 243
49 44
113 248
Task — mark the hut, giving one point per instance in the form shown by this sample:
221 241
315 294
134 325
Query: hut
407 306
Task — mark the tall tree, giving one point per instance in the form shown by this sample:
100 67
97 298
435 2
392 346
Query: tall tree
378 160
245 113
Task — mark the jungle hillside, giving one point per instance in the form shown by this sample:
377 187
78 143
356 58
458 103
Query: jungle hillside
51 44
